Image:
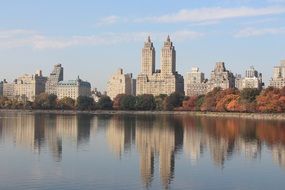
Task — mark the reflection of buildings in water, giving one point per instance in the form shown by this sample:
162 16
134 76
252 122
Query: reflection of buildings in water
144 143
193 143
66 127
120 135
251 149
93 126
278 154
74 127
38 131
218 150
157 136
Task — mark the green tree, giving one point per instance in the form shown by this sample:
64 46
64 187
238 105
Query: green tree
128 102
173 100
159 101
105 103
248 95
145 102
84 103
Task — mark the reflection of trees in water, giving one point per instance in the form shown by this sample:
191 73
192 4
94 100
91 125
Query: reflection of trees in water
154 136
225 137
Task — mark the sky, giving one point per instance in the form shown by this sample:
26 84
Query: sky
93 38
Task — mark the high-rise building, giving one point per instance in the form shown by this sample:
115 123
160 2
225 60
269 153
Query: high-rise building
220 77
195 83
148 58
252 79
120 83
73 89
164 81
1 88
27 87
278 79
8 89
55 76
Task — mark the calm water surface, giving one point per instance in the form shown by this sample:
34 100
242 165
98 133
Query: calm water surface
78 152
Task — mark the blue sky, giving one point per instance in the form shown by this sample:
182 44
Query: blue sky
94 38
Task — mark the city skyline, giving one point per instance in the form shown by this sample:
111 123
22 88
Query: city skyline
240 33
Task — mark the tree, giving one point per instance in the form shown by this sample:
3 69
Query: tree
159 101
145 102
84 103
271 100
45 101
222 104
173 100
128 102
66 103
105 103
190 103
117 101
249 95
209 103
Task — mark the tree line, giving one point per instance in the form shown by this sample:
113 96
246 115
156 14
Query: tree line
230 100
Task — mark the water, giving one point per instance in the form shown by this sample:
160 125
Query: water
78 152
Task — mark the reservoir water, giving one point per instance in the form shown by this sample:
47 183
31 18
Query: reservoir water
78 152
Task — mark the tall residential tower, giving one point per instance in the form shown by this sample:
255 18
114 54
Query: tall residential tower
164 81
55 77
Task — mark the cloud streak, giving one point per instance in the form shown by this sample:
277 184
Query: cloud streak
25 38
255 32
212 14
106 21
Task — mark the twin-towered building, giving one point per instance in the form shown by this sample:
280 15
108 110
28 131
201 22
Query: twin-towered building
150 80
166 80
162 81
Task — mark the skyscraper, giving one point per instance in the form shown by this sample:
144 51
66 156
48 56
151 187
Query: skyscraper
120 83
55 76
148 58
252 79
278 79
221 77
164 81
195 83
168 58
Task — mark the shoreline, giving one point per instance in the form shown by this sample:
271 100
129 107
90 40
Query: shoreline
256 116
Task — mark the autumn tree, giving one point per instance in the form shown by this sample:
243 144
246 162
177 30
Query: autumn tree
66 103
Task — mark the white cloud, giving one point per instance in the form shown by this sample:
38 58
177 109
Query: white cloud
253 32
212 14
35 40
108 20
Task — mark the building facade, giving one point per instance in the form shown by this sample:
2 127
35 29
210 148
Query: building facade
55 77
252 79
1 88
278 79
163 81
8 89
120 83
27 87
73 89
195 83
221 78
